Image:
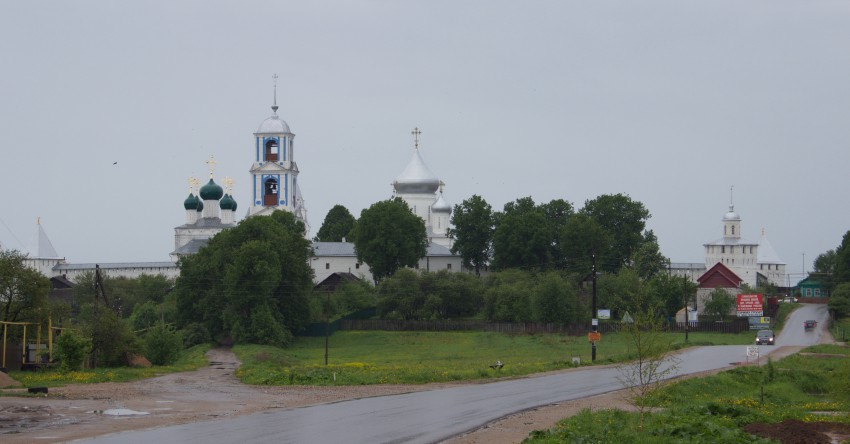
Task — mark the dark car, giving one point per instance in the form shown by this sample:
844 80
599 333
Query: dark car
810 325
764 337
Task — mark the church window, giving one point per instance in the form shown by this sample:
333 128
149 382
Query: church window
327 265
733 230
448 266
357 266
723 250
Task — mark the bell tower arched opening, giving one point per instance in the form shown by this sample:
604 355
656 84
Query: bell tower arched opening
270 192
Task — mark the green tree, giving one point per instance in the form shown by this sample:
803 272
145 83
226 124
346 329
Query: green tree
624 219
825 263
671 292
647 260
111 338
720 303
523 237
839 300
558 213
336 226
624 292
23 290
261 264
555 299
841 271
71 350
507 296
581 238
400 297
653 362
473 232
388 236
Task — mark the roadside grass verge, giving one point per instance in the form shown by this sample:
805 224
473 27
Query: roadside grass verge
811 387
190 359
378 357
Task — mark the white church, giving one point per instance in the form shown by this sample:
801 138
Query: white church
274 179
756 263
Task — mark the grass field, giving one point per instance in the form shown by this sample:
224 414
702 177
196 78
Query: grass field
376 357
811 387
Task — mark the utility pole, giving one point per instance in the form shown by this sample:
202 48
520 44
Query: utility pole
593 320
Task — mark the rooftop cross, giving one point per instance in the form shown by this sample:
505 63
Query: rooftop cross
228 184
416 134
212 164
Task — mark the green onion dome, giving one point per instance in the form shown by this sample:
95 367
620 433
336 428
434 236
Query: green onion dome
191 202
211 191
227 202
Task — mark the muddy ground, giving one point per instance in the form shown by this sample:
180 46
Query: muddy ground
81 411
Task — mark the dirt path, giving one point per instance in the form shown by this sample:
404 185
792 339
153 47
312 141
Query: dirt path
80 411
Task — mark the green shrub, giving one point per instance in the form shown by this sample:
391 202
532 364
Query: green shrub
71 350
194 334
163 344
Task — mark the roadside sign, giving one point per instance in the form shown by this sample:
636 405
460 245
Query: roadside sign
604 313
750 305
594 336
753 351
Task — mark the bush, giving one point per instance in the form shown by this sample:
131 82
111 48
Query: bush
71 350
163 344
194 334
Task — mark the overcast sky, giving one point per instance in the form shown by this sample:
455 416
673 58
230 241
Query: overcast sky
671 102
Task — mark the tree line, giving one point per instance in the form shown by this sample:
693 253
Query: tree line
832 268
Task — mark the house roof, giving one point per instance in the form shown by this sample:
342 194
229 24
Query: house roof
719 276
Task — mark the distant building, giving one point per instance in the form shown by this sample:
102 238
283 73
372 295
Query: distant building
756 263
813 286
211 209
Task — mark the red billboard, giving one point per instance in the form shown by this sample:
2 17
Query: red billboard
750 305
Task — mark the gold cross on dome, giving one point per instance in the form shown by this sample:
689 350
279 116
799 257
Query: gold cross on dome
212 163
193 184
416 134
228 183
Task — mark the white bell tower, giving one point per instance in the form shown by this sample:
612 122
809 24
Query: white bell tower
274 173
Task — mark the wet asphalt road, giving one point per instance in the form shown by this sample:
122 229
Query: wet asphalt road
436 415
